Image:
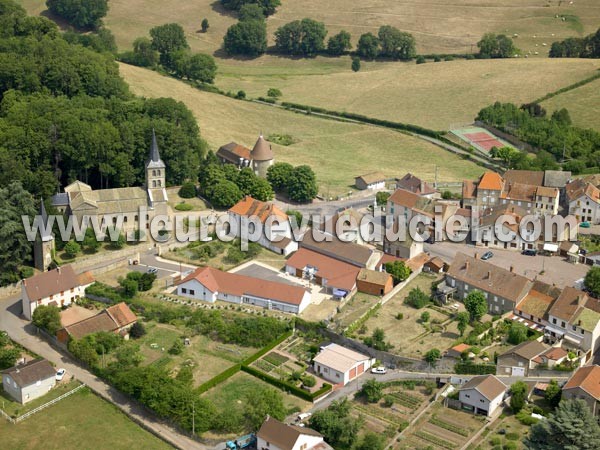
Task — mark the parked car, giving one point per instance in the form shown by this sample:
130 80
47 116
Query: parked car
152 270
302 417
585 225
60 374
379 370
486 256
529 252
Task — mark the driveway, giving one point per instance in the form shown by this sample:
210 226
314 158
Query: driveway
550 269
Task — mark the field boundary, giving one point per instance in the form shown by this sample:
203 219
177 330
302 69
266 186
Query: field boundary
568 88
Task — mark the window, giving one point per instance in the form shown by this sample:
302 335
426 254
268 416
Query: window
337 375
192 292
554 321
183 290
574 327
467 396
562 324
481 400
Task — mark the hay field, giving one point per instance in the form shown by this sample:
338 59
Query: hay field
583 104
434 95
336 151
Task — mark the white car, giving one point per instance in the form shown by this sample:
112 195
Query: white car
379 370
152 270
303 416
60 373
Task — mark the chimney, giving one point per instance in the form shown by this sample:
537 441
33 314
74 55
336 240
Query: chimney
512 269
422 186
476 255
489 274
58 269
580 300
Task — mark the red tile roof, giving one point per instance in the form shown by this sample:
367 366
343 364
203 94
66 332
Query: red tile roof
586 378
490 181
249 206
121 314
337 273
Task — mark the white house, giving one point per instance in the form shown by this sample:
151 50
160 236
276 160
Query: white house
340 365
210 285
275 435
29 381
58 287
277 235
372 181
584 201
482 394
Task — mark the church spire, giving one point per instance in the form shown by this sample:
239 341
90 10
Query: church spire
46 234
154 161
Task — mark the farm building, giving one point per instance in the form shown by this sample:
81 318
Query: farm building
29 381
374 282
259 159
372 180
482 394
276 435
340 365
210 285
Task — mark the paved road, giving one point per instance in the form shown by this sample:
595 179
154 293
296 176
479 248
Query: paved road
555 269
23 332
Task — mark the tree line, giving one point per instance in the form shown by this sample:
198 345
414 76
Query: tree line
586 47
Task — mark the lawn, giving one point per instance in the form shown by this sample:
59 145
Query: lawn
408 335
82 420
354 308
15 409
337 152
582 104
490 438
174 200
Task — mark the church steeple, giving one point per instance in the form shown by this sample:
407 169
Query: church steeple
46 234
43 247
154 162
155 167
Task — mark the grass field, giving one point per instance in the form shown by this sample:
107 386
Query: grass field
336 151
582 103
79 421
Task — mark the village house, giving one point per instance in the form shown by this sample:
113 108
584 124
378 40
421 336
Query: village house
416 185
209 285
374 282
534 308
574 322
276 435
585 384
406 204
59 287
116 319
259 159
551 357
457 351
340 365
277 234
350 226
502 288
333 247
434 265
583 198
371 181
482 395
29 381
519 360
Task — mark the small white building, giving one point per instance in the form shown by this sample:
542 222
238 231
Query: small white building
208 284
275 435
372 181
29 381
58 287
482 394
584 201
340 365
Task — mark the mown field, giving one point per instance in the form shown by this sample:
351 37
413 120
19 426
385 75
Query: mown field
82 420
336 151
582 103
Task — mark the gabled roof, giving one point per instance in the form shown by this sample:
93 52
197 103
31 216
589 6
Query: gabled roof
468 189
154 161
249 206
338 274
412 201
50 283
374 277
236 284
283 436
262 150
531 177
232 152
109 319
527 350
77 186
31 372
579 188
487 385
553 354
576 306
556 178
121 314
539 300
339 358
586 378
490 181
371 177
332 246
518 191
414 184
487 277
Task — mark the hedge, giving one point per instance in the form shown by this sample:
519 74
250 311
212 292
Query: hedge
285 386
360 321
263 351
218 379
468 368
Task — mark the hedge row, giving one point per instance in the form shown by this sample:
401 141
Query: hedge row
468 368
568 88
359 322
284 385
218 379
263 351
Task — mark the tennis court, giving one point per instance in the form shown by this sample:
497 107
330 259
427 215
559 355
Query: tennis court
480 138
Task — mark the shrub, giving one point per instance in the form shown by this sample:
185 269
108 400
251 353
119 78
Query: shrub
183 206
187 190
241 95
421 60
309 381
274 93
388 400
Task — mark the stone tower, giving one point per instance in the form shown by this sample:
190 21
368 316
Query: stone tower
262 157
43 247
155 179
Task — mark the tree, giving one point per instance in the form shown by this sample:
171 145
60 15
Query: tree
496 46
517 333
8 357
145 54
553 394
72 248
204 25
168 39
518 396
463 320
260 403
248 37
268 6
279 175
90 242
396 44
398 270
356 66
261 190
571 427
592 281
336 425
86 14
274 93
372 390
177 347
48 318
251 11
476 305
432 356
339 43
368 46
425 316
562 117
84 350
301 37
417 298
372 441
226 194
302 186
137 330
187 190
202 68
129 287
